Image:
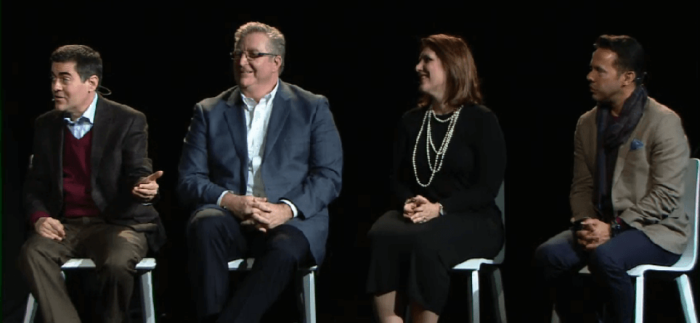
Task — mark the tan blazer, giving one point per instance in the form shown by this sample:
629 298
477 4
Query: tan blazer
648 180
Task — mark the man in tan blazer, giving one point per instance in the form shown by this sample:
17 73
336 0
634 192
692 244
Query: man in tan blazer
630 157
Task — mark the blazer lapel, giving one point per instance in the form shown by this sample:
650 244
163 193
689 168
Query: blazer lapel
625 148
280 112
101 129
235 120
56 149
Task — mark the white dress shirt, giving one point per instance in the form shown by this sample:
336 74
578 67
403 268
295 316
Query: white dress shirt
257 118
81 126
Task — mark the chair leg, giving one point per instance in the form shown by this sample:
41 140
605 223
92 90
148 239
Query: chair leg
639 300
149 315
687 301
474 297
309 297
555 316
30 312
499 298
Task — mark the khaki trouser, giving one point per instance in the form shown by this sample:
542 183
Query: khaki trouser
115 250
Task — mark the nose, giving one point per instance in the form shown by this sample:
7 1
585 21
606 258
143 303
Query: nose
589 77
55 85
419 66
243 60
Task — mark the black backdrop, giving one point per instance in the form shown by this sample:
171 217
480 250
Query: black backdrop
532 59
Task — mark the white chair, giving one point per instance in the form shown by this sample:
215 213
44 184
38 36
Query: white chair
474 265
308 297
684 264
144 268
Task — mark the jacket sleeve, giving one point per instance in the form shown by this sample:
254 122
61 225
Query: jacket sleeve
37 181
323 181
194 186
135 161
399 174
581 194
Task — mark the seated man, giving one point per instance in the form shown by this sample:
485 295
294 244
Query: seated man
260 164
87 191
630 160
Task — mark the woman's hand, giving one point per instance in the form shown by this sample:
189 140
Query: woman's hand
420 210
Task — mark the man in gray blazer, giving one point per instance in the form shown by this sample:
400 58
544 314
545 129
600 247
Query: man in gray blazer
630 157
260 164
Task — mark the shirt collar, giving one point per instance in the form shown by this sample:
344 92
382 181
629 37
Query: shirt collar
250 102
89 114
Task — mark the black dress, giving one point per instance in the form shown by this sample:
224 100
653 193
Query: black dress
416 259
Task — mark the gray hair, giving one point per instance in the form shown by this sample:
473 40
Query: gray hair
276 38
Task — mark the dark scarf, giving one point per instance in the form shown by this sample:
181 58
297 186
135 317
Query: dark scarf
612 134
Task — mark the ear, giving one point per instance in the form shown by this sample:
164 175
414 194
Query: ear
628 77
278 62
93 82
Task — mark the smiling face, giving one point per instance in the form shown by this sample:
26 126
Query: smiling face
433 78
70 93
256 76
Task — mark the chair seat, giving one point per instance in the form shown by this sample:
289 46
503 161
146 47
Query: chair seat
86 263
246 264
474 264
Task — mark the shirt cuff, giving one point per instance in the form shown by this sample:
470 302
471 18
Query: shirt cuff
295 212
38 215
221 197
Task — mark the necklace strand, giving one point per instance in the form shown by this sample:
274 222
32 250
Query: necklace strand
439 153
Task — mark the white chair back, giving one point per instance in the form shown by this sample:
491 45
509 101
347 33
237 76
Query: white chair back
501 203
690 203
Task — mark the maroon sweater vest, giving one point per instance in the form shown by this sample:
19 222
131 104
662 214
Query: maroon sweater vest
77 168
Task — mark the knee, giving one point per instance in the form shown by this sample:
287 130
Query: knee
603 262
544 256
31 251
425 250
206 223
288 251
120 264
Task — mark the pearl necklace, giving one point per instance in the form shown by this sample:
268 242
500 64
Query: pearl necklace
439 153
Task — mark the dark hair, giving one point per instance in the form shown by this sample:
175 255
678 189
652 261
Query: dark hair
462 80
630 54
87 60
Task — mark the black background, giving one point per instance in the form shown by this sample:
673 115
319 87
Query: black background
532 59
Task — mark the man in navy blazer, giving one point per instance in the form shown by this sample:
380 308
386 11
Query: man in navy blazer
260 164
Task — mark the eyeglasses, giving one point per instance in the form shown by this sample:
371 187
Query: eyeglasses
249 55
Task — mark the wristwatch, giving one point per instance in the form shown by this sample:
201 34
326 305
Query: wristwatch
617 226
442 211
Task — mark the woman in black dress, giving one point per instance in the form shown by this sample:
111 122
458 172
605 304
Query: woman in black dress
449 160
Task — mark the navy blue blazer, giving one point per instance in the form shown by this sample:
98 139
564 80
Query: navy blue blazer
302 160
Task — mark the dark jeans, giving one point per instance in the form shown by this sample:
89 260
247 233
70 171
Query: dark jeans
560 258
215 237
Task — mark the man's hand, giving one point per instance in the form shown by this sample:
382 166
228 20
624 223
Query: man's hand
269 215
147 187
50 228
241 206
421 209
593 233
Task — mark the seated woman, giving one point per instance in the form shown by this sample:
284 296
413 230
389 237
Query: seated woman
449 160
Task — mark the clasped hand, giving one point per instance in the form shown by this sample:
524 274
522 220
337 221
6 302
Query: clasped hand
257 211
419 210
593 233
